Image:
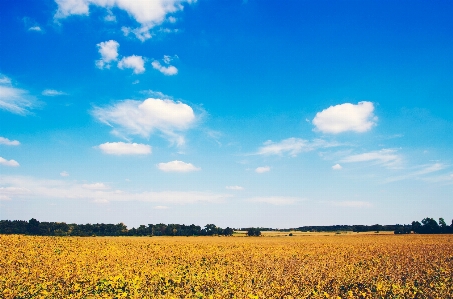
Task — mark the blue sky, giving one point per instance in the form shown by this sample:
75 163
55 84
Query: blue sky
238 113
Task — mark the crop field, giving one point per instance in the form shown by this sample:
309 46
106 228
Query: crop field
312 266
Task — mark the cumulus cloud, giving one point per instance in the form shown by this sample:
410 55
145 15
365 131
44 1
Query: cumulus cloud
6 141
337 167
275 200
262 169
237 188
387 157
346 117
177 166
11 163
64 174
18 187
137 63
143 118
148 13
169 70
52 92
109 53
121 148
13 99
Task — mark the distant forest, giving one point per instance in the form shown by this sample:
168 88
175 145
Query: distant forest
34 227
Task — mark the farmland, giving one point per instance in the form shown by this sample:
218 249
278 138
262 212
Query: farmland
302 266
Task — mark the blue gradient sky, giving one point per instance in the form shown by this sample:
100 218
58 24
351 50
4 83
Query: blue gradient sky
238 113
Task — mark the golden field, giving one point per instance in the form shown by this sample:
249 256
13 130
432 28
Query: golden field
303 266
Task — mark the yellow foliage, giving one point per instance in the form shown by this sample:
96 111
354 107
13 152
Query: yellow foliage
347 266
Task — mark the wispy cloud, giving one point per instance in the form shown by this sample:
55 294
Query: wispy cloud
12 187
386 157
237 188
96 186
422 172
351 204
262 169
293 146
64 174
53 92
122 148
161 207
168 70
275 200
177 166
35 28
346 117
15 100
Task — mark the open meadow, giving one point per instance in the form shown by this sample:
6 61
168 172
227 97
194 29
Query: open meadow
302 266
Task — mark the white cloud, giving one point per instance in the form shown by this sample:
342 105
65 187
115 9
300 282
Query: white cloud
64 173
137 63
6 141
160 207
13 99
177 166
351 204
293 146
143 118
35 28
96 186
4 79
11 163
142 33
121 148
110 17
52 92
337 167
426 169
262 169
237 188
166 70
346 117
387 157
109 53
6 193
422 172
275 200
30 188
31 25
148 13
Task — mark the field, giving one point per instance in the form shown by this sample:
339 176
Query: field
302 266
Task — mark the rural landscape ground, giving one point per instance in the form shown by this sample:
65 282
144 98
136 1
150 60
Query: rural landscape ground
275 265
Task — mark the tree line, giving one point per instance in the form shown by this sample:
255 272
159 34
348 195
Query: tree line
430 226
34 227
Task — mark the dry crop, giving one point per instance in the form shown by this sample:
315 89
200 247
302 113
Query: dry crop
336 266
